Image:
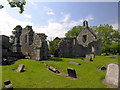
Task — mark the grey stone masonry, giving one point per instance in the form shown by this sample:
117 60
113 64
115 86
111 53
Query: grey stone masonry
87 42
33 45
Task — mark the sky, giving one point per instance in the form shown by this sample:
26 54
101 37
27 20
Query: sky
56 18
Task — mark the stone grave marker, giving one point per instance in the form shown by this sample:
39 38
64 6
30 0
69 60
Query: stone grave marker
112 74
71 72
88 58
103 68
20 68
8 85
53 69
113 57
75 63
92 55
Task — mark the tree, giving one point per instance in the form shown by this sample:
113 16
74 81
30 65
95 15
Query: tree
16 3
107 35
114 48
17 29
53 45
74 32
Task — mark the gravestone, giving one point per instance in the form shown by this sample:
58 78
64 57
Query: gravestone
8 85
75 63
88 58
20 68
53 69
103 68
92 55
71 72
113 57
112 74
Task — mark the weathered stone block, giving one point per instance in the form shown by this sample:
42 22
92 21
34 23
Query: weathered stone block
7 82
113 57
20 68
75 63
88 58
53 69
71 72
8 85
112 74
92 55
103 68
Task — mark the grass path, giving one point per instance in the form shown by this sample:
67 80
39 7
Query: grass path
37 76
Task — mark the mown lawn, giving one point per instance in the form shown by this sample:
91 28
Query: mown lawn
37 76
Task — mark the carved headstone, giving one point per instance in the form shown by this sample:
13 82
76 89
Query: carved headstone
75 63
112 74
20 68
71 72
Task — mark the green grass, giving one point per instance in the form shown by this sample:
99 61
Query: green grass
37 76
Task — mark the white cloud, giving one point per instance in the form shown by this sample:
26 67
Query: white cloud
66 18
89 18
57 29
8 23
49 11
27 16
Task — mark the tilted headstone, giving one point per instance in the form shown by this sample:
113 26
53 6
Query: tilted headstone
112 74
75 63
71 72
8 85
20 68
7 82
53 69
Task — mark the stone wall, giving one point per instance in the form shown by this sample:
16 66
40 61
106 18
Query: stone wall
87 42
32 45
69 47
4 40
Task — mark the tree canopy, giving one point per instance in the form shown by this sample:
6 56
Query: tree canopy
73 33
17 3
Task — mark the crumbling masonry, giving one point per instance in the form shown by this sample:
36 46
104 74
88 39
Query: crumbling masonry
31 44
87 42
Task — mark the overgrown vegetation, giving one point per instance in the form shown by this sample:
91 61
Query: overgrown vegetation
53 45
37 76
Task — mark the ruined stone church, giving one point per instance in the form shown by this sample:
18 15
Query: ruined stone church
34 45
31 44
87 42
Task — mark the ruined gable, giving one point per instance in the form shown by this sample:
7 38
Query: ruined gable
33 45
86 36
